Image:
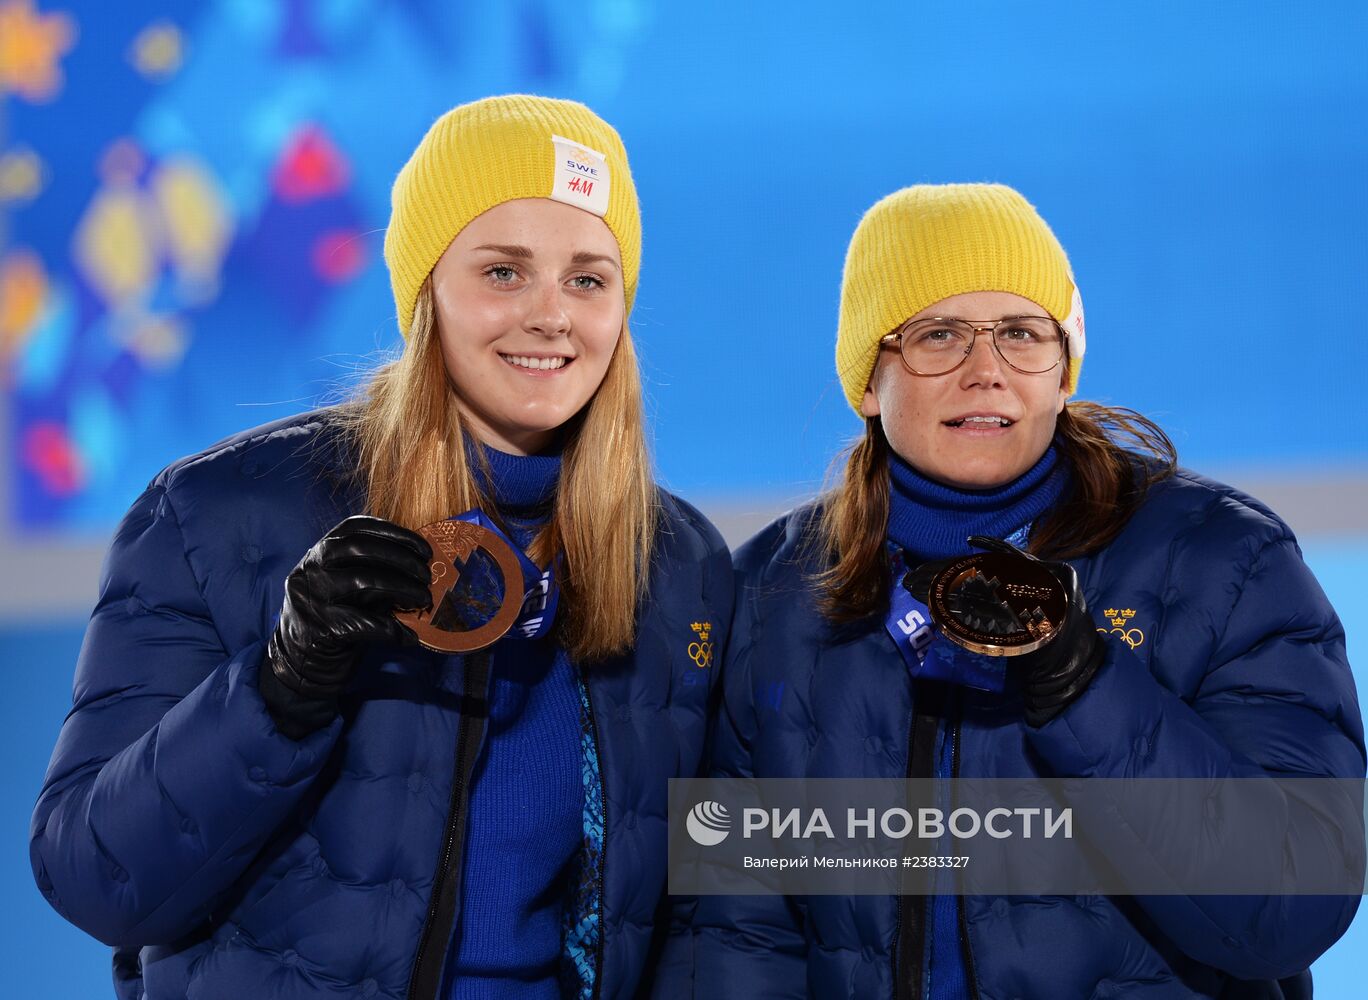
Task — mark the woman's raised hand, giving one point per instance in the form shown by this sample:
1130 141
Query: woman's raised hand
340 596
1057 673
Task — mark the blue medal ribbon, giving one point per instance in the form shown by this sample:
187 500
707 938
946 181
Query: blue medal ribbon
927 653
540 592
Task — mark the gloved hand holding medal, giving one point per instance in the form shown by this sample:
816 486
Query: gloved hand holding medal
1007 603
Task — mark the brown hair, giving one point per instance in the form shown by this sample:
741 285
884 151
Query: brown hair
1115 455
412 459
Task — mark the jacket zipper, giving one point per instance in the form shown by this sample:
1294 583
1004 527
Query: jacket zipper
909 969
603 849
909 958
435 938
970 977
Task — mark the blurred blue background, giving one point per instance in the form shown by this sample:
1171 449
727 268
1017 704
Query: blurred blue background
193 197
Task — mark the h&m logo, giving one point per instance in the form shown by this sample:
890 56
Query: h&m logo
1132 637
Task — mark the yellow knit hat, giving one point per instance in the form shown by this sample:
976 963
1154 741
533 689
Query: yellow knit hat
485 153
930 241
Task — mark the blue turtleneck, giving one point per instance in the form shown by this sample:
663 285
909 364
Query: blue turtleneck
525 823
932 521
520 482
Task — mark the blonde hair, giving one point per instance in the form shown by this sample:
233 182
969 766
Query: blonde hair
410 444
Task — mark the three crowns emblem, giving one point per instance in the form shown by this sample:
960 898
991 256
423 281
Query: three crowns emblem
1119 617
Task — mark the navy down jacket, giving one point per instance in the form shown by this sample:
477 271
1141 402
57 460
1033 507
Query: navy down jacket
222 859
1228 661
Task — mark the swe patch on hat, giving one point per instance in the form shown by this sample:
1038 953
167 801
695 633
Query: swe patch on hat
581 177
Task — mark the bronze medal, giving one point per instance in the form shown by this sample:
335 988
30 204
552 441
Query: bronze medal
997 604
453 542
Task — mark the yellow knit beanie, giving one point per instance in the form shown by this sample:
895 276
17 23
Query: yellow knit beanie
930 241
485 153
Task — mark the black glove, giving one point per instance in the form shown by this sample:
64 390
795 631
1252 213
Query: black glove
1059 672
340 596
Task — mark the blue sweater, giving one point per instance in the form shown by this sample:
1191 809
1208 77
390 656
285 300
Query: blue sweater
527 800
929 519
932 521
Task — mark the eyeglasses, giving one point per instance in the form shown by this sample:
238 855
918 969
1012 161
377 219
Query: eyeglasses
1030 344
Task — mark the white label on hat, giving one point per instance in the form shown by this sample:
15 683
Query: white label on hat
581 177
1073 327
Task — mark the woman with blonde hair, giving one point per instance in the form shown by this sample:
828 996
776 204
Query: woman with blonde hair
1189 639
267 786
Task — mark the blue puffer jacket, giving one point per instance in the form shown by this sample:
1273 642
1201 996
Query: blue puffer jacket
222 859
1224 658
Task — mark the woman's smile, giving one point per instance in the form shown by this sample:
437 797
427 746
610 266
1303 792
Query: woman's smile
538 365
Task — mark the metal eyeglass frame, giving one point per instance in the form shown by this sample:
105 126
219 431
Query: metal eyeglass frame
978 326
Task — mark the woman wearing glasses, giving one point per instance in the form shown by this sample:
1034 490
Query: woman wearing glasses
1196 642
265 787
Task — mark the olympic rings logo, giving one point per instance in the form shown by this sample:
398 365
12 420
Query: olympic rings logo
1132 637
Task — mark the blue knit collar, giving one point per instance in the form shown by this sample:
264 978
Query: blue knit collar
932 521
519 482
